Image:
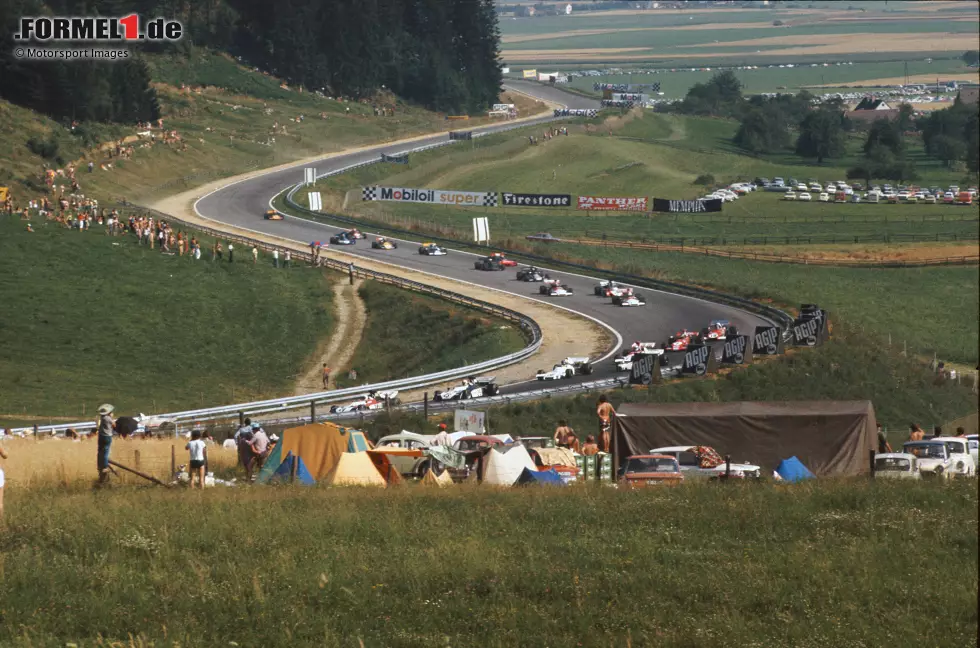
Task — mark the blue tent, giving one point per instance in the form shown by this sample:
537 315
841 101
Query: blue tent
547 477
285 470
793 470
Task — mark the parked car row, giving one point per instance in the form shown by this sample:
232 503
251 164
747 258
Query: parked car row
936 458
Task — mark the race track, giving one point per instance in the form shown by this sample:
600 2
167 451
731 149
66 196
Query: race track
243 203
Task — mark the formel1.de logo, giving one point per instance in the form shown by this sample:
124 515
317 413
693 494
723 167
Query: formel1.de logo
80 29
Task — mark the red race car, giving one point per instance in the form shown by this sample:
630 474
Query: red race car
502 260
681 340
716 330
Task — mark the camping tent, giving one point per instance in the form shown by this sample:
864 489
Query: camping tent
381 458
284 473
354 469
319 445
503 468
556 457
548 477
829 437
431 479
792 470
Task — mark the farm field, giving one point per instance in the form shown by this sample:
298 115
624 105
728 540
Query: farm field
822 557
178 334
877 32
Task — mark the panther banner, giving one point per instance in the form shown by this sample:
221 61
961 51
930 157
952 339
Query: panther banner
737 350
536 200
431 196
767 341
645 370
601 203
699 361
686 206
395 159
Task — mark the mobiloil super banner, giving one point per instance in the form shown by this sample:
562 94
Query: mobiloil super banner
433 196
601 203
536 200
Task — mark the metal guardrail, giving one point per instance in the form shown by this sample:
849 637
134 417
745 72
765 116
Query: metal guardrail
529 328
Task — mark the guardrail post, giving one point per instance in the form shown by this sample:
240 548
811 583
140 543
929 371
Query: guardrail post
35 431
425 405
173 461
871 461
728 467
312 411
241 419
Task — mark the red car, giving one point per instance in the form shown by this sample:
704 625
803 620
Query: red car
502 260
716 330
651 470
681 340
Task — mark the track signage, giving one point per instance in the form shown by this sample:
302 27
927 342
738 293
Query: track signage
767 341
737 350
432 196
536 200
600 203
686 206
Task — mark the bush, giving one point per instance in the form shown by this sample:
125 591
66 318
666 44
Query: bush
46 148
704 179
777 23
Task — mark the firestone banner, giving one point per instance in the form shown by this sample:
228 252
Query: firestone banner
602 203
431 196
536 200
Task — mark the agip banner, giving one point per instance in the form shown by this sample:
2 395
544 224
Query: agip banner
603 203
431 196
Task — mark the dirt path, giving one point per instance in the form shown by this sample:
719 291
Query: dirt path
350 317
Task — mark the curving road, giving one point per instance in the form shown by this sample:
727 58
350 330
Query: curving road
242 204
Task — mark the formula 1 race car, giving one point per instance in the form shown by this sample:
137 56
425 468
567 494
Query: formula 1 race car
470 388
356 233
683 339
718 330
629 300
502 260
611 289
566 369
381 243
530 273
272 214
488 263
431 249
554 288
342 238
624 361
367 402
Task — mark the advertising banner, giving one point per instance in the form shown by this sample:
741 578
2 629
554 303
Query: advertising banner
645 370
627 87
469 421
602 203
460 135
503 107
575 112
737 350
530 74
431 196
767 341
699 361
686 206
395 159
536 200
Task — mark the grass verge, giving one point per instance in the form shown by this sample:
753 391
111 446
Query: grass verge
410 334
833 562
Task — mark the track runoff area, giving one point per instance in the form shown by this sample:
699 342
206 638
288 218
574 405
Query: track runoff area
242 204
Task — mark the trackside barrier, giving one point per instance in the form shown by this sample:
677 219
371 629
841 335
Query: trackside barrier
530 329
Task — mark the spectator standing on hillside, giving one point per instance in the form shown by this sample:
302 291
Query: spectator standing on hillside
255 255
916 433
219 250
231 252
104 431
883 445
937 431
350 271
3 455
275 258
604 412
260 445
326 375
198 455
286 259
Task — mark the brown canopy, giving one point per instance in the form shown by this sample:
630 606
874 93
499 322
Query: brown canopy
829 437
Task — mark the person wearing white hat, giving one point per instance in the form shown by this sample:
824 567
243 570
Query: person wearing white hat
106 427
3 455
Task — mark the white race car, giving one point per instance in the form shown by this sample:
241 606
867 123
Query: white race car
611 289
554 288
566 369
624 361
629 300
431 249
469 388
370 401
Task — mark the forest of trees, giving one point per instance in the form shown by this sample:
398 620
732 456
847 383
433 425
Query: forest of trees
442 54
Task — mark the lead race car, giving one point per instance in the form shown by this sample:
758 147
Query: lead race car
367 402
470 388
431 249
566 369
383 243
683 339
718 330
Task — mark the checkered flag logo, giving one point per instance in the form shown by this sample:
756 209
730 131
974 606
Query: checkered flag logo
591 112
655 87
490 199
369 193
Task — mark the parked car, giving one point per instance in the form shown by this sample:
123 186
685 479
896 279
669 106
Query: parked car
897 465
933 457
640 471
804 197
959 453
789 195
824 197
972 442
405 464
542 237
704 462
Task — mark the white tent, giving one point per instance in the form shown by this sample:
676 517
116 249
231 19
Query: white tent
503 468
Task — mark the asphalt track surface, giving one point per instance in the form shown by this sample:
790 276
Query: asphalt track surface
242 204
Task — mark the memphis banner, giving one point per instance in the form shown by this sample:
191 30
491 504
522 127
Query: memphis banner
431 196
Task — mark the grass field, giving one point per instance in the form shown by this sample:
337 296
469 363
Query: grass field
813 565
409 334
